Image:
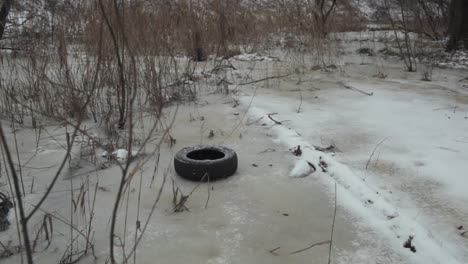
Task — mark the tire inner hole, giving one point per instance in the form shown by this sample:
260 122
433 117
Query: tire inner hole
205 154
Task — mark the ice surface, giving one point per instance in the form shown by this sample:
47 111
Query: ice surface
418 130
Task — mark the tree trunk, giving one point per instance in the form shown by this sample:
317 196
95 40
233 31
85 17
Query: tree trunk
4 10
458 24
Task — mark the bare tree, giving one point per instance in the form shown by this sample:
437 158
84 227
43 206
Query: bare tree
431 17
321 11
4 10
458 25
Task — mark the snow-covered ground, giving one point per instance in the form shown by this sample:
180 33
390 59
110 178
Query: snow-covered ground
399 157
413 185
398 164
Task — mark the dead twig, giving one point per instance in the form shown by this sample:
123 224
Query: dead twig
311 246
46 228
6 252
63 220
267 150
409 244
323 165
156 165
223 81
143 230
356 89
236 102
332 229
208 198
273 251
373 152
330 148
300 103
312 166
179 203
296 151
271 118
264 79
180 206
222 67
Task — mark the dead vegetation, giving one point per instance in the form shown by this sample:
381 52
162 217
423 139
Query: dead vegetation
126 59
179 199
409 244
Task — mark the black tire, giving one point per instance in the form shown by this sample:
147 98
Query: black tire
217 162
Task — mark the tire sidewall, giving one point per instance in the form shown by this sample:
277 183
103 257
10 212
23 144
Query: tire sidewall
195 170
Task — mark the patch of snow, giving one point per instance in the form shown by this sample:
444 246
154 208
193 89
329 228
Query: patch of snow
122 154
254 57
362 198
301 169
456 60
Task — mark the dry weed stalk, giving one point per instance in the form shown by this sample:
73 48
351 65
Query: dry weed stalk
47 229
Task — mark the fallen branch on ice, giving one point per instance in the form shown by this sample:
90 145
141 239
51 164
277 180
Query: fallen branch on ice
356 89
264 79
330 148
311 246
222 67
276 122
273 251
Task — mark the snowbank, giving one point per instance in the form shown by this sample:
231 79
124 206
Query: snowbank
254 57
122 154
355 194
